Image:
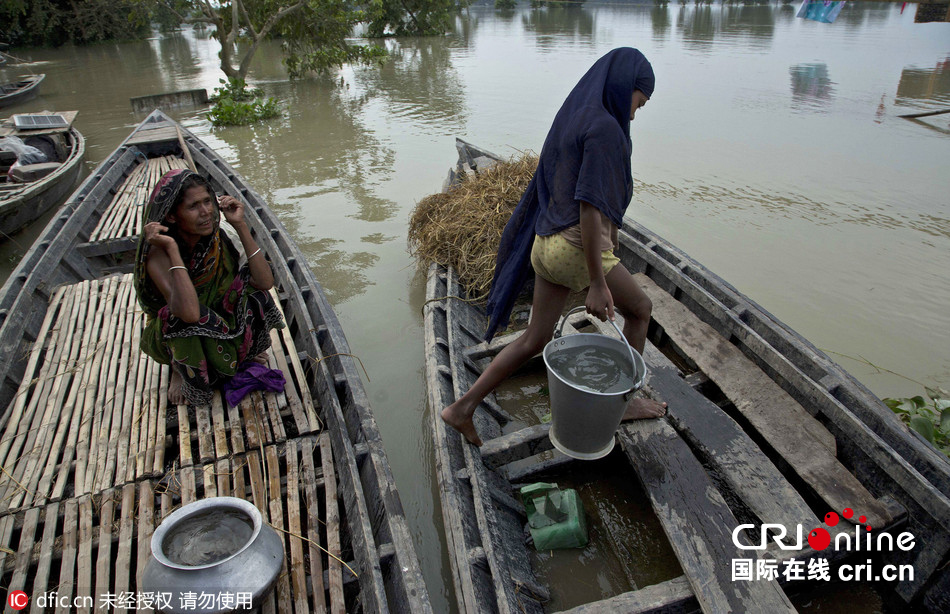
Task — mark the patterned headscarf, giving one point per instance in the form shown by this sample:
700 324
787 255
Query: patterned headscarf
202 260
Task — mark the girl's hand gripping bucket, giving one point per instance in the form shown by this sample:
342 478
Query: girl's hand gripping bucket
583 421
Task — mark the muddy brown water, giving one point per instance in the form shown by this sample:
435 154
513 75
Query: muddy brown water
771 151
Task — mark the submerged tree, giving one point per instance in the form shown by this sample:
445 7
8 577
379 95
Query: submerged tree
316 34
314 31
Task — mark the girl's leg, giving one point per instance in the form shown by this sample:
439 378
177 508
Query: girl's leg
547 305
635 306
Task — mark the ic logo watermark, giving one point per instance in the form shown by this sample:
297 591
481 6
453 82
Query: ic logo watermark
18 600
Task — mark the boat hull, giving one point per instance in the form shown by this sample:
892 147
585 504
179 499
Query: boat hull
22 206
759 421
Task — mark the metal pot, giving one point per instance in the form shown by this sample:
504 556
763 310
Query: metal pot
212 556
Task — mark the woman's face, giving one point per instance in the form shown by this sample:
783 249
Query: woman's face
639 99
194 215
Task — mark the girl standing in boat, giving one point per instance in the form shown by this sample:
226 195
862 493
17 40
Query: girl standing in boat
204 292
566 226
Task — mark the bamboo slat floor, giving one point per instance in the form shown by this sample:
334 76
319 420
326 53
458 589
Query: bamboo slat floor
88 459
91 411
96 546
123 217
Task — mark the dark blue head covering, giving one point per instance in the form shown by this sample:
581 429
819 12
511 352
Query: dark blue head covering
586 157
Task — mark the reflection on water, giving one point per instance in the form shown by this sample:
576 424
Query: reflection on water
927 84
342 273
812 89
559 24
418 83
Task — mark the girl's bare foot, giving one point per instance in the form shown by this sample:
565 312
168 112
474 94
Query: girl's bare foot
175 395
459 419
642 409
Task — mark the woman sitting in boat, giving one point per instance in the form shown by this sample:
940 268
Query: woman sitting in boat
205 293
566 227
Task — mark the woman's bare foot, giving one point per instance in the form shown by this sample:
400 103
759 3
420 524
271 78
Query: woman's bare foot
459 419
261 358
643 409
175 395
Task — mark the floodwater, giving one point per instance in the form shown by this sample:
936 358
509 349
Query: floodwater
772 151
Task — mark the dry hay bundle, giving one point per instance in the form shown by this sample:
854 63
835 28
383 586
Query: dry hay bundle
461 227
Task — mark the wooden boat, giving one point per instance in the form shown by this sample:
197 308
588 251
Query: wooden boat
45 185
20 91
762 428
94 458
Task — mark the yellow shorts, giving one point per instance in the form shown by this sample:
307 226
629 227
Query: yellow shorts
560 262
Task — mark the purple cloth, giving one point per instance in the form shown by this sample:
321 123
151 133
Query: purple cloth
252 376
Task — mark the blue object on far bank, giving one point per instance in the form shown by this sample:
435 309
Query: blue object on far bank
824 11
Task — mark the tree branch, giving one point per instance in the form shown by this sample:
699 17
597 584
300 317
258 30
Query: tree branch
280 15
184 19
247 18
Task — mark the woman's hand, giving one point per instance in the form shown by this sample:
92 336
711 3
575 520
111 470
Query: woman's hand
232 208
155 237
600 303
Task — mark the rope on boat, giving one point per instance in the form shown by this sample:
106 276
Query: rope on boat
317 361
477 299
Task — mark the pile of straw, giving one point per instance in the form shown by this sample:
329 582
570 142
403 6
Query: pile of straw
461 228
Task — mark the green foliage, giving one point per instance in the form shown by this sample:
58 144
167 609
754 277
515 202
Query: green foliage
237 105
930 417
319 38
57 22
505 4
412 17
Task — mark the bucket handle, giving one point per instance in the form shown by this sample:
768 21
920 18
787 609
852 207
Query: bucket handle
633 360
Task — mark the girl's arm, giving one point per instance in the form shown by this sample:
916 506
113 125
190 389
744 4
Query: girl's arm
167 270
599 301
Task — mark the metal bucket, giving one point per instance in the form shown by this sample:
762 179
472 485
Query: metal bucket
583 422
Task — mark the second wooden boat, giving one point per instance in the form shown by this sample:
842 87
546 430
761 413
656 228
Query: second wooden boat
37 188
21 90
763 430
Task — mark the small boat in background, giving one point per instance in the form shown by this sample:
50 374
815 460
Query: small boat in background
20 91
27 191
763 433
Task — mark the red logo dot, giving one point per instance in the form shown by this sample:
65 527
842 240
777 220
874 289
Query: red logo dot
868 527
862 519
18 600
831 519
848 512
819 539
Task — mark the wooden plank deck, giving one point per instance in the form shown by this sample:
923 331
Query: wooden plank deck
799 438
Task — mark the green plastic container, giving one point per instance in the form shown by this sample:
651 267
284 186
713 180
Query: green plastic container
555 517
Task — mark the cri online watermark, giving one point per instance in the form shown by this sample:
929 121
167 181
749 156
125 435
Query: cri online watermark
819 539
